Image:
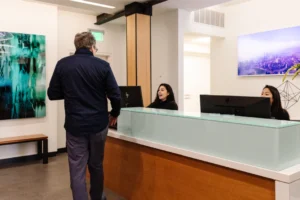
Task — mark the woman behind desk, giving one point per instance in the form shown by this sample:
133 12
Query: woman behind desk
164 98
276 108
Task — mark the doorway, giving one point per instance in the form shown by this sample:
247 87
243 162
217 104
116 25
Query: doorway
196 71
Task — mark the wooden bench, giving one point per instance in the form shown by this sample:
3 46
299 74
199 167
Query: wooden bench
41 139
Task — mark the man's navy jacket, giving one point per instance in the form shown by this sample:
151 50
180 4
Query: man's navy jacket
85 82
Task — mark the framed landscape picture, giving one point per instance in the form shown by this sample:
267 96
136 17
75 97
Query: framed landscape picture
22 75
269 53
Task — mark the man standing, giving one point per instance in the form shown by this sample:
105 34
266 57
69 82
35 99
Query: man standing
85 82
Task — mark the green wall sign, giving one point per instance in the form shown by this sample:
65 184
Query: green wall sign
99 36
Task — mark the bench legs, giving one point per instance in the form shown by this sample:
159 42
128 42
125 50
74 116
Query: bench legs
45 151
42 149
39 149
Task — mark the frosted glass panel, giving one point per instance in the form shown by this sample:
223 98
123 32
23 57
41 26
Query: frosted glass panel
266 143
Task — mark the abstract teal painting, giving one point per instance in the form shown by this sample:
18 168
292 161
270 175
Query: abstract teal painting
22 75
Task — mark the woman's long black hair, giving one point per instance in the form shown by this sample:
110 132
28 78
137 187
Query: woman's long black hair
169 89
276 107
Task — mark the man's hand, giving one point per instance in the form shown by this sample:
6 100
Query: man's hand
112 120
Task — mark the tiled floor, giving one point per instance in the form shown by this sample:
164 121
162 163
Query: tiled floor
35 181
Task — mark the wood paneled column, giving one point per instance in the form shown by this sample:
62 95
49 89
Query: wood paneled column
138 36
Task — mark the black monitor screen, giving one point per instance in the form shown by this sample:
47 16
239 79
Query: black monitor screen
131 96
236 105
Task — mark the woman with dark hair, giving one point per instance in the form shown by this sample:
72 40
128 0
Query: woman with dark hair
164 98
276 108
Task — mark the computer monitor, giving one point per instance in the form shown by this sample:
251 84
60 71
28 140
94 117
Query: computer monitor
259 107
131 96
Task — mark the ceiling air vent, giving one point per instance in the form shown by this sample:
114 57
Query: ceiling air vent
210 17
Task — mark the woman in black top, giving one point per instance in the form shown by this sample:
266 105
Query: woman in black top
164 98
276 108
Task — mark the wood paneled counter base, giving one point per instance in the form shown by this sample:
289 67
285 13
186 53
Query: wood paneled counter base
137 172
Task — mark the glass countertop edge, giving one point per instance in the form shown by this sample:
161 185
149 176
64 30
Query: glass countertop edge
213 117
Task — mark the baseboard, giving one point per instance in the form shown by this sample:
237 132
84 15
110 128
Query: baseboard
30 158
16 160
62 150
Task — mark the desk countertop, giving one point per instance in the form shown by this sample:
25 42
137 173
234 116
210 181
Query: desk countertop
251 121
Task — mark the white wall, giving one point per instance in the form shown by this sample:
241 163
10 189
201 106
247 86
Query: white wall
182 27
251 17
168 32
165 59
114 45
34 18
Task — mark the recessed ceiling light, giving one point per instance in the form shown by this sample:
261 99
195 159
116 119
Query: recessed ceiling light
94 4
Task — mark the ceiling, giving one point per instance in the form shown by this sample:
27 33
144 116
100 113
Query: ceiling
190 5
119 4
220 7
95 10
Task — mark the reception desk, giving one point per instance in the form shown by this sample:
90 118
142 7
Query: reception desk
161 155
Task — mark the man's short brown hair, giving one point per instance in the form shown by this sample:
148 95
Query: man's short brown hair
84 40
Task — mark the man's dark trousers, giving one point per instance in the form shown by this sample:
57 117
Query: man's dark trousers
86 150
